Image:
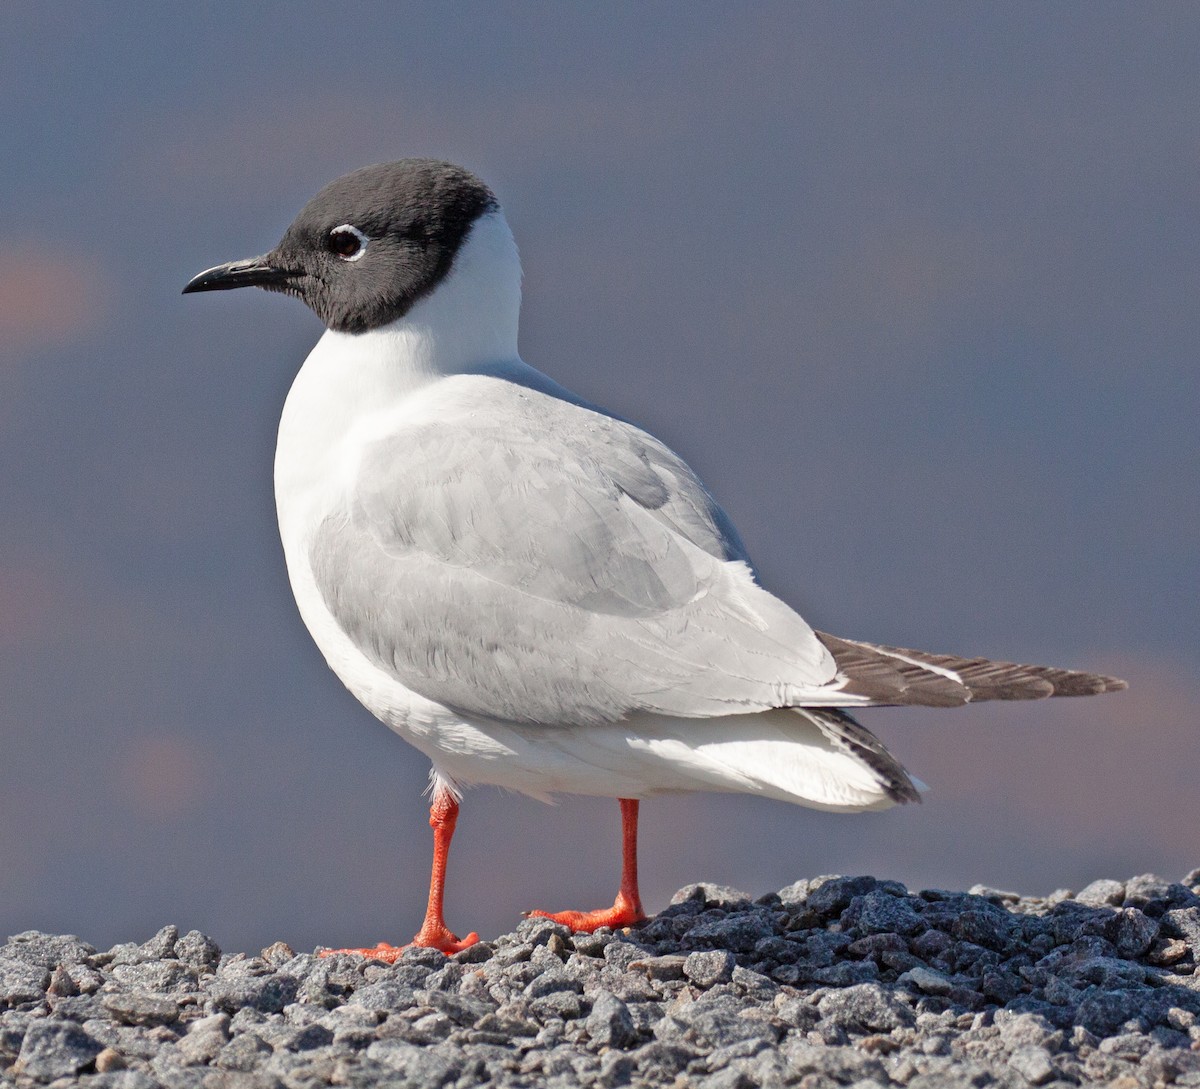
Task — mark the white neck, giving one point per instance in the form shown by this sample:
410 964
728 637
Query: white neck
468 321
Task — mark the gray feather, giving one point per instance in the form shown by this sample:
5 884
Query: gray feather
897 676
530 560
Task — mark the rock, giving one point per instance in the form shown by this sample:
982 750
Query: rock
198 950
738 933
864 1007
881 913
707 969
834 896
46 950
846 981
267 994
1102 893
718 895
609 1023
927 981
56 1049
22 981
1132 932
140 1008
1033 1064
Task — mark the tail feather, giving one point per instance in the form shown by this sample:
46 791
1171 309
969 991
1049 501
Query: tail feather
895 676
849 736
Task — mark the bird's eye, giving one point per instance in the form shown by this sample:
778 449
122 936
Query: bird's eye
348 242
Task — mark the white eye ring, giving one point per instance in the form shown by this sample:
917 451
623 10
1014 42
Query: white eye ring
363 240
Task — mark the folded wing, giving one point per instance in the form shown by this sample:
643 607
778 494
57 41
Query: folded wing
518 557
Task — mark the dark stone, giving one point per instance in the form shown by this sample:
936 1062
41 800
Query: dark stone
846 973
739 933
1103 1012
878 912
990 929
1132 932
834 896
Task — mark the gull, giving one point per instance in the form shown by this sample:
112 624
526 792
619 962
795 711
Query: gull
534 592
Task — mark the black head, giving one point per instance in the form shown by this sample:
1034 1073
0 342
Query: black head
369 245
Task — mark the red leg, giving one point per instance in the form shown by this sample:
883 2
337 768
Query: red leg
434 934
627 908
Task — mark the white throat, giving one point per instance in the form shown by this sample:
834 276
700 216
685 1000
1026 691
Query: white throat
468 320
468 323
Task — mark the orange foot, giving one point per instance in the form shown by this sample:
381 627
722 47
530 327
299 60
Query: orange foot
624 912
428 938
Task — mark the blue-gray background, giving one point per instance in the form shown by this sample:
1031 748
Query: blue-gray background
914 288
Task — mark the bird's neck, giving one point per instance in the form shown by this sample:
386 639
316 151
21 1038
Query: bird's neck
353 385
468 322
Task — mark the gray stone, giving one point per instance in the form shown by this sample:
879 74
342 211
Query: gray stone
708 968
56 1049
155 975
865 1007
22 981
161 945
609 1024
720 895
927 981
205 1038
620 954
1033 1064
267 994
1185 923
1102 893
565 1004
140 1008
46 950
665 967
846 973
198 950
243 1053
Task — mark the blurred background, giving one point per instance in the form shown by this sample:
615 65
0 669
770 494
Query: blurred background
913 288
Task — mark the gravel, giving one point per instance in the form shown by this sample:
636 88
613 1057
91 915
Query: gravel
831 981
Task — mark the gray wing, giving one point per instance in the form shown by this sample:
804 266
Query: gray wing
519 557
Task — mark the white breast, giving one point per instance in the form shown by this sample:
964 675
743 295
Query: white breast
354 388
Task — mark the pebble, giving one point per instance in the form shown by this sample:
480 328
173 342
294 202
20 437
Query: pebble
830 981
